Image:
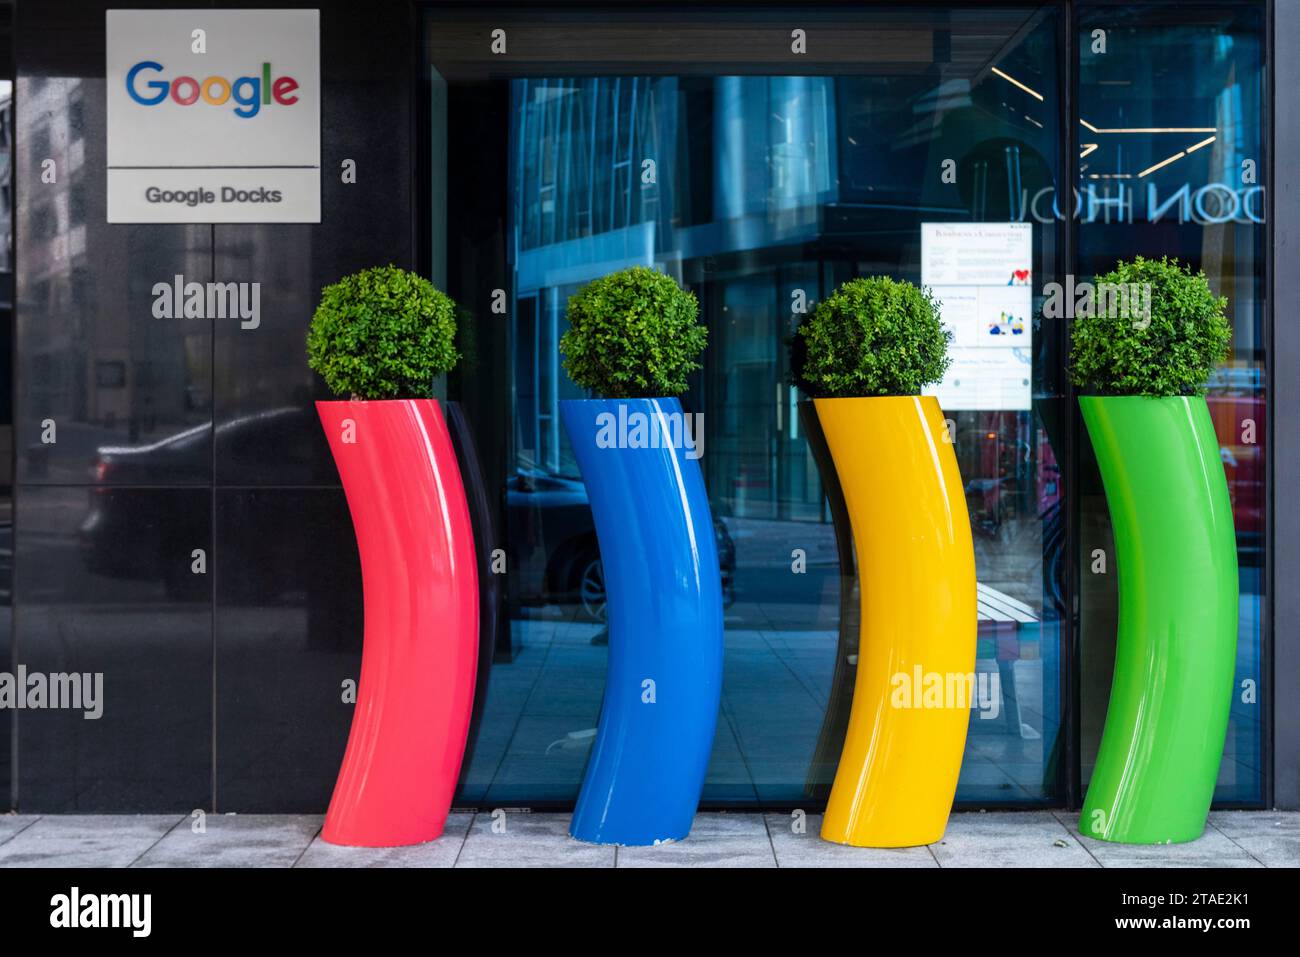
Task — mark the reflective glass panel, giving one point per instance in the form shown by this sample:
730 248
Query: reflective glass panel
1171 135
760 180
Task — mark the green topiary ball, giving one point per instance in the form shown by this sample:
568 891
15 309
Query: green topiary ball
632 334
1118 350
382 333
872 336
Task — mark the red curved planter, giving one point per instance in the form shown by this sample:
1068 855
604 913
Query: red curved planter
420 650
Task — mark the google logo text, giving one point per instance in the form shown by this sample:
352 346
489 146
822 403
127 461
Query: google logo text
248 93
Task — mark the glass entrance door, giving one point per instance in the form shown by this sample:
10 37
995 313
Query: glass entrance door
925 144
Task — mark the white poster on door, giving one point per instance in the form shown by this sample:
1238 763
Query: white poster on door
213 116
981 276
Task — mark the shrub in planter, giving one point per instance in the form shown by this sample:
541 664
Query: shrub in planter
872 337
864 354
1175 548
378 338
1120 349
382 333
633 339
632 334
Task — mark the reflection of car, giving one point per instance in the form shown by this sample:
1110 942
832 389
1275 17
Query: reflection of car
555 556
134 530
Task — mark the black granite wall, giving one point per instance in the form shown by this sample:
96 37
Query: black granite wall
223 689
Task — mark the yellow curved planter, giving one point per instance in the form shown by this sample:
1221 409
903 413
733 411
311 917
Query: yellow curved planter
916 658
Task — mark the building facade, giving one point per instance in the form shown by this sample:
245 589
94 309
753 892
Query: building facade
762 154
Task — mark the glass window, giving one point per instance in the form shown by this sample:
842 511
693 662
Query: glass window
695 142
1171 137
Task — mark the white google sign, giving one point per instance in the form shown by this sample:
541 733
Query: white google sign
213 116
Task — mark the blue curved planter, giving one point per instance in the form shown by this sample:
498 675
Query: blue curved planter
664 605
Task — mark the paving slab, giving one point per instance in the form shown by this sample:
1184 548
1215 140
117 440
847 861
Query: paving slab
441 852
235 840
799 844
517 839
1014 839
13 824
86 840
1212 849
716 840
1271 837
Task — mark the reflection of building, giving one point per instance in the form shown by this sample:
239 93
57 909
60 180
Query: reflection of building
761 194
95 370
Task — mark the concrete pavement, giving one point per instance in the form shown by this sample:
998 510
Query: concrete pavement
521 839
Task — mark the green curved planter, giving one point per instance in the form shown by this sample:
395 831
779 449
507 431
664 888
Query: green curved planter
1175 653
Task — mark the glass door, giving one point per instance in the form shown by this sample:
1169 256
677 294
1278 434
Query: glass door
761 178
1172 134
